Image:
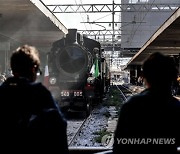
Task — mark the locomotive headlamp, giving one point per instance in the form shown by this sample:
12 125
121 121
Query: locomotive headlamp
52 80
91 80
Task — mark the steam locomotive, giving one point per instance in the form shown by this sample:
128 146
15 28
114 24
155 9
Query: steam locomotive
78 74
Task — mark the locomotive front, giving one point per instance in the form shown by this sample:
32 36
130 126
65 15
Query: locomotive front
69 63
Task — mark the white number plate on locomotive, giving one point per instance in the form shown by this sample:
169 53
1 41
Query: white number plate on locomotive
77 93
65 93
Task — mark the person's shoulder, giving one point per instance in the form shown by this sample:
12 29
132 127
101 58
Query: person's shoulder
1 87
37 84
40 91
136 102
175 102
39 87
137 98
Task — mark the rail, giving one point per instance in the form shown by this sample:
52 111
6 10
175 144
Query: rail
79 129
124 97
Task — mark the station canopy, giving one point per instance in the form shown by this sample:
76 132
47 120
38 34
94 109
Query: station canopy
165 40
28 22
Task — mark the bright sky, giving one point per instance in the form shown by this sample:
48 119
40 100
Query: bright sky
73 20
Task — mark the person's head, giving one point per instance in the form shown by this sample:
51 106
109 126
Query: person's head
159 71
25 62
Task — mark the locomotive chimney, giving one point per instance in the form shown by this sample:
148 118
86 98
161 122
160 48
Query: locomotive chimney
72 36
81 39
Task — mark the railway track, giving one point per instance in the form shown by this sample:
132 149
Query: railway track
80 132
74 128
83 132
125 92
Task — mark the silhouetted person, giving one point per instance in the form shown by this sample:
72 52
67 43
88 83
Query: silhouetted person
149 121
30 120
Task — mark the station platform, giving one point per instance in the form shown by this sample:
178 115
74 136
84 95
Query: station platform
137 89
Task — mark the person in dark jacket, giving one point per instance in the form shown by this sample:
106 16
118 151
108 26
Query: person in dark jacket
149 121
31 120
